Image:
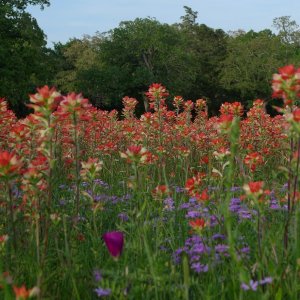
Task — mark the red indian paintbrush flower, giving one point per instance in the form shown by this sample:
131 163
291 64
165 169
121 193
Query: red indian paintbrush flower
22 293
296 115
178 101
224 122
10 165
160 192
135 153
157 91
45 100
254 188
73 104
197 224
252 160
286 84
114 242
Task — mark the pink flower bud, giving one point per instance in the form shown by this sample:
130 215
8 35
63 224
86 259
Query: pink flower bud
114 242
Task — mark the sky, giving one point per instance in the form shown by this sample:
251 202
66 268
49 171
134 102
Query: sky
65 19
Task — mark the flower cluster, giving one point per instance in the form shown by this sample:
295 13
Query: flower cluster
286 84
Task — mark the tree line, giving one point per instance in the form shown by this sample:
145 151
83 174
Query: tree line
189 58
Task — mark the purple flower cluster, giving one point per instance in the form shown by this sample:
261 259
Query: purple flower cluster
111 199
197 251
123 217
274 203
253 285
101 183
179 189
97 275
102 292
236 206
194 209
169 204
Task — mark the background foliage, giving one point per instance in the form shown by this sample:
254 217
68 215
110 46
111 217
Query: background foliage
191 59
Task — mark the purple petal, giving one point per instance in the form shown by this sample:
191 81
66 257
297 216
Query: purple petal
266 280
114 242
245 287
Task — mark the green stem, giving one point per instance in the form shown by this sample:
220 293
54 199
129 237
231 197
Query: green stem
77 167
11 215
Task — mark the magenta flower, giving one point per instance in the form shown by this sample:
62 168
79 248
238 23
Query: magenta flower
114 242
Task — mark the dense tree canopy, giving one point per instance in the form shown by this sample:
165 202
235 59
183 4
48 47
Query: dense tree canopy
24 58
252 57
191 59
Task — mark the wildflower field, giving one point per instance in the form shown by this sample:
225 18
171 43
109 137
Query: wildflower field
171 205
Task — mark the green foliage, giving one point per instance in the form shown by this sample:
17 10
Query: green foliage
191 59
24 58
22 4
251 60
126 60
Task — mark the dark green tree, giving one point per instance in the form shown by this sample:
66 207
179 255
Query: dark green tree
252 59
24 58
189 19
125 61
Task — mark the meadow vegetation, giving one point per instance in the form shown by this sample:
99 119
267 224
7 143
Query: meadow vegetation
170 205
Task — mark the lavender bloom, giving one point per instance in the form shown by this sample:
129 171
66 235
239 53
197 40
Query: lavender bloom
245 214
235 205
195 239
97 198
97 275
251 286
90 192
179 189
115 199
177 255
16 192
199 268
221 248
239 209
245 250
284 187
193 214
218 236
102 292
185 206
163 248
101 183
198 249
127 197
235 188
274 205
193 200
266 280
194 258
62 202
213 221
169 204
123 217
245 287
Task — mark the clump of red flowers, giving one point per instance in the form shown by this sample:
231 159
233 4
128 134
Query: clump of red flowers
10 165
198 224
286 84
